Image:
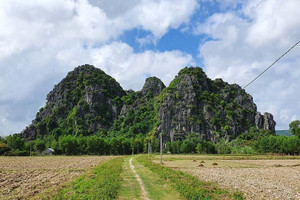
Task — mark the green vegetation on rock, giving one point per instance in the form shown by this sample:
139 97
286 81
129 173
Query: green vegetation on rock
88 112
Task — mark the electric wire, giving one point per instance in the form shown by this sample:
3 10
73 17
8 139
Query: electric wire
272 64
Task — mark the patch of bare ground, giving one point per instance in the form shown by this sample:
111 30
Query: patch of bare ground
257 179
25 177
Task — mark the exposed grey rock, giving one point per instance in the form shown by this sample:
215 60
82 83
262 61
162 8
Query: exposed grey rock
89 93
265 122
153 86
269 123
259 121
212 109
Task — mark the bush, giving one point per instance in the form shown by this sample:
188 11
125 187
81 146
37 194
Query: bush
15 142
16 153
187 147
4 148
39 145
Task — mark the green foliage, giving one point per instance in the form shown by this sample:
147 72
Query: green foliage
223 148
251 137
187 147
102 183
4 148
192 143
15 142
295 127
190 187
91 145
39 145
68 144
16 153
279 144
265 142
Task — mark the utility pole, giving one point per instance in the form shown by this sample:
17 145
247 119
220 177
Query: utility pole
161 148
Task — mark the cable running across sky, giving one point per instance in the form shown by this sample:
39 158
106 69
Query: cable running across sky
272 64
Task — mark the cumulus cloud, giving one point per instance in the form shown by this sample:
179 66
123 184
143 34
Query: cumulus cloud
40 41
155 16
131 69
244 43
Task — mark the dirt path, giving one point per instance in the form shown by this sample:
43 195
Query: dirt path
144 192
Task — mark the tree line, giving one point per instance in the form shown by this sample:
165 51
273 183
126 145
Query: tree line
252 142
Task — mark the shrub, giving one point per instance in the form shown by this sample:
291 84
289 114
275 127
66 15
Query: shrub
4 148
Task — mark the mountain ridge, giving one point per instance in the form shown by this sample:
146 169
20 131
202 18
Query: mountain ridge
88 101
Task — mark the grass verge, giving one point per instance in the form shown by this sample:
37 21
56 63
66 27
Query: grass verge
103 182
187 185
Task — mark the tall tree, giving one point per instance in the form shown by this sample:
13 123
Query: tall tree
295 127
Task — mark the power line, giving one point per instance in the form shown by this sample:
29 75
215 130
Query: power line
272 64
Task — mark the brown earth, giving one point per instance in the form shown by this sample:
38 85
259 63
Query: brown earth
25 177
256 179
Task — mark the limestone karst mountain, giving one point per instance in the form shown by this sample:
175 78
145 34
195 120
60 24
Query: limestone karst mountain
88 101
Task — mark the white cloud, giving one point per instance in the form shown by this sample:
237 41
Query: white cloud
156 16
246 42
131 69
40 41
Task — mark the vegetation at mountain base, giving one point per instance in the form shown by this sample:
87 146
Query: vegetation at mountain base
88 112
101 183
187 185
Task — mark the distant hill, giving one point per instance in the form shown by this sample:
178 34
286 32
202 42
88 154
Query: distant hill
284 132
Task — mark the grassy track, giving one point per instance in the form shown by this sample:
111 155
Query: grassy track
157 187
187 185
130 188
102 183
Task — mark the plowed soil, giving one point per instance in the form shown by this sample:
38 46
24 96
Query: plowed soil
25 177
256 179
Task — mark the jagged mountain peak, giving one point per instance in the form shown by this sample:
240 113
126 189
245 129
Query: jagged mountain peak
84 102
153 86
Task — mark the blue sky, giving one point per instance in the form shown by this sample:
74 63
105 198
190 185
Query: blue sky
40 41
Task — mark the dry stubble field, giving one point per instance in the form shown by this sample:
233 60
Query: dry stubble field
257 177
25 177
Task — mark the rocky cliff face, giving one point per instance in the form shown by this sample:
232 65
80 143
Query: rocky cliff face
88 101
265 121
212 109
138 114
